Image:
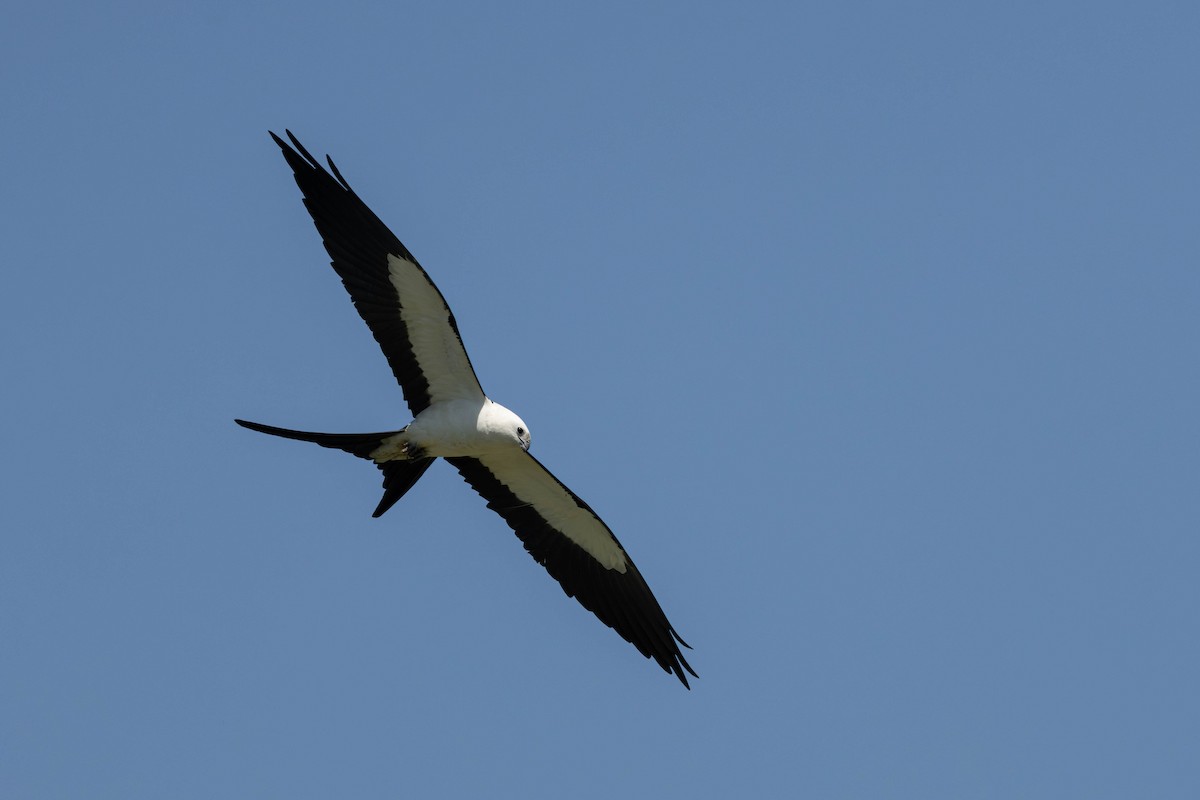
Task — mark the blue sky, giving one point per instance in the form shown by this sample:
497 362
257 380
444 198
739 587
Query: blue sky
870 329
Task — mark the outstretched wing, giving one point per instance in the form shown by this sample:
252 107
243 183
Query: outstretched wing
565 536
400 304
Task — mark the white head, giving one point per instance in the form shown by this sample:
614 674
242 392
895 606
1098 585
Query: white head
504 424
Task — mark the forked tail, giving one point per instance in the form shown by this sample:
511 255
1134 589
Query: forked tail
398 476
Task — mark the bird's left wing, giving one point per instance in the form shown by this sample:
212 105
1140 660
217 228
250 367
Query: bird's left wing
403 308
564 535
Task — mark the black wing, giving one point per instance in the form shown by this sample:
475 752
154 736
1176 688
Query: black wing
395 297
564 535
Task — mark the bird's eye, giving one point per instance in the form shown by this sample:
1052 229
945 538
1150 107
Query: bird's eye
520 431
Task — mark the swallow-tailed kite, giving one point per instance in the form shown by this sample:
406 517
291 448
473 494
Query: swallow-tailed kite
453 419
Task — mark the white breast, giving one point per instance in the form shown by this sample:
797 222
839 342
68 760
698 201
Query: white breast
465 428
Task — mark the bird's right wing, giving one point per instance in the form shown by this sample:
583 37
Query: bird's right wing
403 308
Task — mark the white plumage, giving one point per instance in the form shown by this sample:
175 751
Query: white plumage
453 419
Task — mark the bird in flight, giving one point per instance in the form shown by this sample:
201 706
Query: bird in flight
453 419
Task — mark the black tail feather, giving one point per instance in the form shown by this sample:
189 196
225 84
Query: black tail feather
398 476
357 444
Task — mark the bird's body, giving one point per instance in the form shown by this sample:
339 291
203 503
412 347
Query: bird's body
456 428
453 419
